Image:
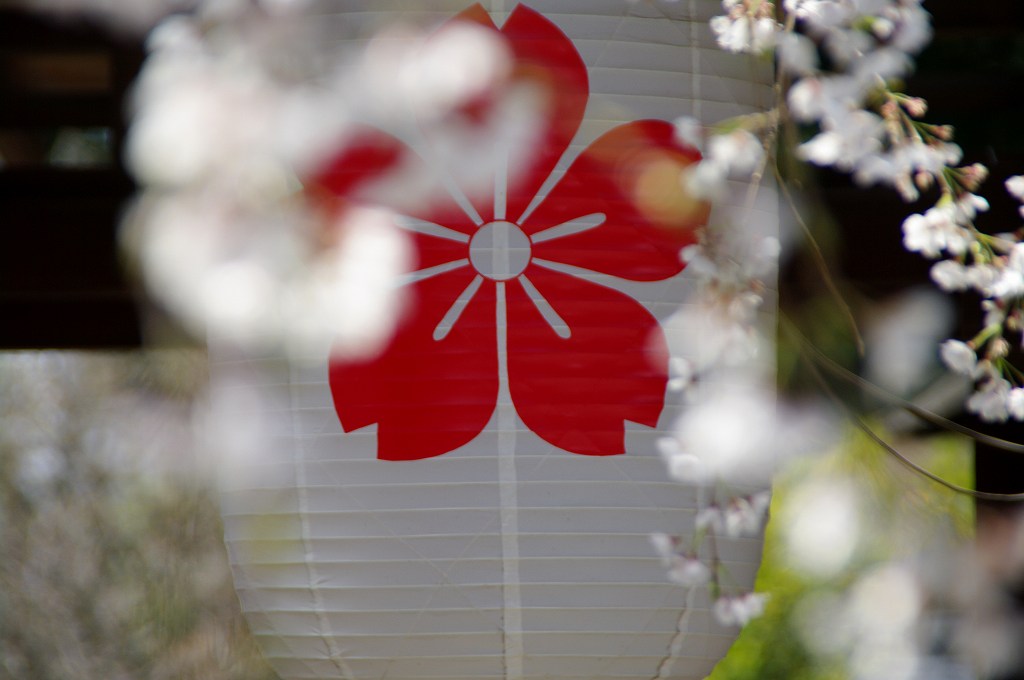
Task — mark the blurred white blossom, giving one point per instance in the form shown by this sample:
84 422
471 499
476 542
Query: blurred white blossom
738 610
748 26
821 526
959 357
239 103
683 568
708 444
991 400
895 334
740 516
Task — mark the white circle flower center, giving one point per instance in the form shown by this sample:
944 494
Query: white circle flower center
500 250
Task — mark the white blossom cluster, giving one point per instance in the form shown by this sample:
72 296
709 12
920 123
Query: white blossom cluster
993 267
231 107
749 26
238 103
875 133
870 130
864 128
717 363
687 569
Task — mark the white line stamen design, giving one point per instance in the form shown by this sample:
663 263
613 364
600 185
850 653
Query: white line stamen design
574 226
450 317
556 322
422 274
419 226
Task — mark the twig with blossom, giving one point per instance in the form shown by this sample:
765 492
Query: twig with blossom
868 128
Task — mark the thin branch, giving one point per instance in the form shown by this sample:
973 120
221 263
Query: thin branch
875 437
912 408
822 265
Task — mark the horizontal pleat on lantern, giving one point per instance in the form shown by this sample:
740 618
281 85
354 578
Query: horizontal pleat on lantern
507 558
399 570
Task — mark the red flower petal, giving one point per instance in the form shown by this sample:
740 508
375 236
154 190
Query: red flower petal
546 56
576 392
631 176
376 169
427 396
545 64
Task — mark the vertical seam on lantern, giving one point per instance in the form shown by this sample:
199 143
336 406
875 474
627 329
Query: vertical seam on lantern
695 95
498 9
501 184
312 574
676 647
512 615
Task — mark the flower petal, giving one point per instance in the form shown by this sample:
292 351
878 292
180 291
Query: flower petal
547 57
576 392
503 143
378 170
631 176
427 396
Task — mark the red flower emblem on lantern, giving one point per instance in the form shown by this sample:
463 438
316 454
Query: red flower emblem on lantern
509 269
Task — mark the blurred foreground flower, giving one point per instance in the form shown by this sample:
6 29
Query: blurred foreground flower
238 104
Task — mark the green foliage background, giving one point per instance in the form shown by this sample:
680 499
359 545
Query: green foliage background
904 516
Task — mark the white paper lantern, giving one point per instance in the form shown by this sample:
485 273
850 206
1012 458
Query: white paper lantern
488 512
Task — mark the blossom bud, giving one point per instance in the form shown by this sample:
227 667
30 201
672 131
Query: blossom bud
1015 185
882 28
943 132
998 348
975 174
1013 321
906 189
923 180
916 106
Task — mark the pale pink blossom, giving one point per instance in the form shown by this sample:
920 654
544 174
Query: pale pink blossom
743 31
738 610
1015 185
689 131
959 357
745 516
709 518
936 231
684 568
1015 403
950 275
845 142
688 571
982 277
739 152
682 374
990 402
797 53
